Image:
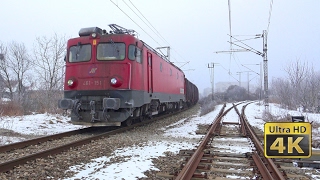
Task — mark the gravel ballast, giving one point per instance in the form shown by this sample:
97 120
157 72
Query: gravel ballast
57 167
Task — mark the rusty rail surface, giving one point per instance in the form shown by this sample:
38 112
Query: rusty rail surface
188 170
20 145
266 166
6 166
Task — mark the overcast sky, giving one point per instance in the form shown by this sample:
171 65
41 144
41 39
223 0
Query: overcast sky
194 30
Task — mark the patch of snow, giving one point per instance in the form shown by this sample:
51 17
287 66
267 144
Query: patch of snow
136 157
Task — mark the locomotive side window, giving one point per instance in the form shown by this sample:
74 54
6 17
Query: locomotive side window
80 53
131 53
134 53
111 51
139 58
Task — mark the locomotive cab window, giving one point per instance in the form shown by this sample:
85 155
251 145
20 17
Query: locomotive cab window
134 53
139 58
111 51
80 53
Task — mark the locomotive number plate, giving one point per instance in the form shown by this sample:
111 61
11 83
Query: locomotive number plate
92 83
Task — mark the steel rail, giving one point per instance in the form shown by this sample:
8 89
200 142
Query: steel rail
11 164
30 142
242 128
188 170
6 166
269 170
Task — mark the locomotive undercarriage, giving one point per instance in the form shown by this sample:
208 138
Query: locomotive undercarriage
115 109
122 116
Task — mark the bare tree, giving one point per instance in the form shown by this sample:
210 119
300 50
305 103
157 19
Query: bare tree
15 66
300 89
297 74
49 64
282 90
310 90
4 70
19 63
235 93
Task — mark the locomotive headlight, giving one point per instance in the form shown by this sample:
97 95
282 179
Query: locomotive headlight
70 82
94 35
116 82
113 81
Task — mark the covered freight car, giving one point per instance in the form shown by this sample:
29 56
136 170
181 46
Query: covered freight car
192 93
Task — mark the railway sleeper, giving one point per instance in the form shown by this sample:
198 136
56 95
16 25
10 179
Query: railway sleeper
214 172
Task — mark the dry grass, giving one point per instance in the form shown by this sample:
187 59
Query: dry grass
207 107
268 117
11 109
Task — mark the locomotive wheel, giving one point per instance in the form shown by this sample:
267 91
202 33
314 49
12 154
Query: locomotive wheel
127 122
141 118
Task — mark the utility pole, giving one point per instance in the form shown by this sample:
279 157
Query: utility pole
261 78
248 84
239 78
212 79
247 78
265 70
245 48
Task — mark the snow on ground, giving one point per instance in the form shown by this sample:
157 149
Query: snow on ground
38 124
15 129
223 144
137 157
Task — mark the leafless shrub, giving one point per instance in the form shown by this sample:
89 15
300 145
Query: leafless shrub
299 89
268 117
11 108
207 105
208 108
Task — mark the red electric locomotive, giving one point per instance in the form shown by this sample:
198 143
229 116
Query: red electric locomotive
113 78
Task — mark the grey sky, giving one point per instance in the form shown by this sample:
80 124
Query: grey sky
195 30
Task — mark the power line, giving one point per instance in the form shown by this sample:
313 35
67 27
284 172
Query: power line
135 22
229 7
270 12
154 29
157 32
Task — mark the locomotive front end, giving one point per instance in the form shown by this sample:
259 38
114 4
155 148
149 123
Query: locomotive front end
97 86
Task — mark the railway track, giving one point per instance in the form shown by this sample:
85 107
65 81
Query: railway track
230 150
221 155
13 155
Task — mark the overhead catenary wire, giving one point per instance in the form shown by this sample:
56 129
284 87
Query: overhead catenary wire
250 48
152 29
270 12
157 32
229 7
232 55
135 22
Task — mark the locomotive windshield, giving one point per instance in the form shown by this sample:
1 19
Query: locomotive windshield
111 51
80 53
